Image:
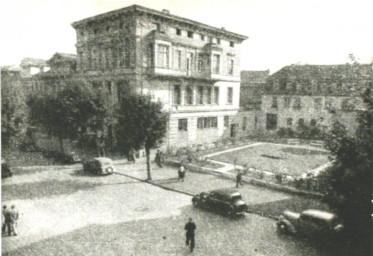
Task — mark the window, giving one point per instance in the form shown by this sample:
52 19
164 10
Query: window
177 94
230 96
300 122
150 55
244 123
297 103
200 95
226 121
119 93
189 95
190 34
183 124
256 122
127 54
200 62
162 60
287 101
289 121
208 95
200 123
216 95
282 84
317 103
230 66
114 57
274 102
218 40
190 61
231 44
216 64
177 59
318 88
207 122
313 122
107 28
339 86
328 103
203 37
271 122
109 87
178 31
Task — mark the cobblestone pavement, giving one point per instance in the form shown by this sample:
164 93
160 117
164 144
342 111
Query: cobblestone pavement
122 216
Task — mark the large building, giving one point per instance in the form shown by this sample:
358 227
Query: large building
193 68
314 95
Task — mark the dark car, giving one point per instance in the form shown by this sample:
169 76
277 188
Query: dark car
310 223
225 201
99 166
5 169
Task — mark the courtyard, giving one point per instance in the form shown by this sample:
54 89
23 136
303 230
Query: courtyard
64 212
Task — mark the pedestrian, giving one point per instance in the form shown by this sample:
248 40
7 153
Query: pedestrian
238 179
11 217
131 156
14 217
3 227
158 159
190 226
181 173
161 157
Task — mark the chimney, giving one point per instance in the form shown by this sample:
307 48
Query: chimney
165 11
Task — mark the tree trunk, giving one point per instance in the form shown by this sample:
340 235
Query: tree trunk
61 144
148 166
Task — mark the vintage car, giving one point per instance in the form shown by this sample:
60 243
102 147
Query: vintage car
5 169
99 166
310 223
225 201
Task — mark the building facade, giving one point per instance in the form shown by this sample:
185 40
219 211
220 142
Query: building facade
193 68
253 84
314 95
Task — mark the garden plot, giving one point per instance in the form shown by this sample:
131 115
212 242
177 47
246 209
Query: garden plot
276 158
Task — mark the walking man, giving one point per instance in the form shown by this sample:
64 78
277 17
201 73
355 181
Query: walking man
190 226
3 227
181 173
11 220
158 159
238 179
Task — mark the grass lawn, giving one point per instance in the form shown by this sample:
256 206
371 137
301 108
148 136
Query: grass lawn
276 158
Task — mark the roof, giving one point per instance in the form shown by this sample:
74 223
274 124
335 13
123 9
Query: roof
33 62
11 68
325 72
319 214
248 76
228 191
63 56
162 14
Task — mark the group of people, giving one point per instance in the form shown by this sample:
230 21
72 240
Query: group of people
9 220
159 158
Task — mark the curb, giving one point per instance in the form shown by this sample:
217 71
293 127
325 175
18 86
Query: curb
155 184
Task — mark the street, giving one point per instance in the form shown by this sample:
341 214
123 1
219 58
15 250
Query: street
64 212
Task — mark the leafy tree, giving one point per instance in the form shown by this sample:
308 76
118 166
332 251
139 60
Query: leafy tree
70 114
141 123
13 112
348 183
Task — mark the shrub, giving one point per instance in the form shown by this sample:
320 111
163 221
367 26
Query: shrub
279 177
286 133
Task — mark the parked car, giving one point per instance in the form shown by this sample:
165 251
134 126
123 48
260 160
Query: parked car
5 169
99 166
310 223
225 201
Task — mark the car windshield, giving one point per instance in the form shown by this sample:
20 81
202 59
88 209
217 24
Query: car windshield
236 197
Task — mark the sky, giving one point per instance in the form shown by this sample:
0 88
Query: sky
281 32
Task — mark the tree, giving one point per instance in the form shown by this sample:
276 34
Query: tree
70 114
13 112
347 184
141 123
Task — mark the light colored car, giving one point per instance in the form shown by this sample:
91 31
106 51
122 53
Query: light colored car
99 166
310 223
